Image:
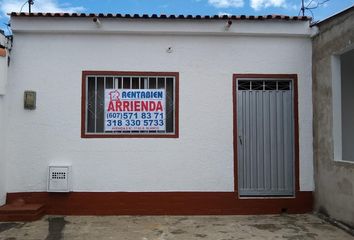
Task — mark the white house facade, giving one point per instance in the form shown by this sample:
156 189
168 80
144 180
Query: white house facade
235 134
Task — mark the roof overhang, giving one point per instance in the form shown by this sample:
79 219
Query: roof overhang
270 25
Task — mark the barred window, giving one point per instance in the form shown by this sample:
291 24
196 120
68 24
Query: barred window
264 85
129 104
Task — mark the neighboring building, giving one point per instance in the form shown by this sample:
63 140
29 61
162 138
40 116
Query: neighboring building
229 113
333 88
3 78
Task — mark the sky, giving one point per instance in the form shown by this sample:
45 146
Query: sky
325 8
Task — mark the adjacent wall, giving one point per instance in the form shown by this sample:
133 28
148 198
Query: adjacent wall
2 152
334 178
3 68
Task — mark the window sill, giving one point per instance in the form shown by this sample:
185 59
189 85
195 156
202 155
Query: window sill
85 135
344 163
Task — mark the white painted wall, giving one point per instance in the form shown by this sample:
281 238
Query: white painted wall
3 66
201 159
337 109
3 73
2 151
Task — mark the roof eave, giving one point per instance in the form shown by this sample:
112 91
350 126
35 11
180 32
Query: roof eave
163 16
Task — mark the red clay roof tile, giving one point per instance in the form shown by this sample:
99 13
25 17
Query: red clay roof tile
162 16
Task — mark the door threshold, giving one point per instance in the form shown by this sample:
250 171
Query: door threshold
267 197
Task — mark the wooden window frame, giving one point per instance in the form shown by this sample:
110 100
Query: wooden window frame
86 73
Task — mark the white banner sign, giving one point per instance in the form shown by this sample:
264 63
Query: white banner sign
135 110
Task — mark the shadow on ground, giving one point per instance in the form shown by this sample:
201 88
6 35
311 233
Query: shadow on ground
290 227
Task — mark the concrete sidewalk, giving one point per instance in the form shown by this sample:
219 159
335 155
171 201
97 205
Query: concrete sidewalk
290 227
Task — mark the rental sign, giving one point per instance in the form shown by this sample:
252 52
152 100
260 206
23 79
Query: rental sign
135 110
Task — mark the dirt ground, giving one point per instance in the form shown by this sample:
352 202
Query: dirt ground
290 227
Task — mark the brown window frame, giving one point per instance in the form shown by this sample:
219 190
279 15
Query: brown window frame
86 73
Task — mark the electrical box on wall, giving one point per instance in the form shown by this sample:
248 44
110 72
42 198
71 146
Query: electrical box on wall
30 100
59 179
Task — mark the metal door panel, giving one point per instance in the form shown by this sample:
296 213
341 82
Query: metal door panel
265 142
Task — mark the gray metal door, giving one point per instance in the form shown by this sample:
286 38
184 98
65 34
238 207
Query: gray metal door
265 129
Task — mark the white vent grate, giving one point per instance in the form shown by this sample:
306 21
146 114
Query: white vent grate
58 179
58 175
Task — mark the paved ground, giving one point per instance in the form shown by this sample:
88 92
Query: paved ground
290 227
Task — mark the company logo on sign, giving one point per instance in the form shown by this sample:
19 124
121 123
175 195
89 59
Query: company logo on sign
114 95
130 109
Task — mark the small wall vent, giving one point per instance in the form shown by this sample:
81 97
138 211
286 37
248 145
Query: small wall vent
59 178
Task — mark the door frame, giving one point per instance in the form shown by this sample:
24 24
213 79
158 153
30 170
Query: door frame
292 77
